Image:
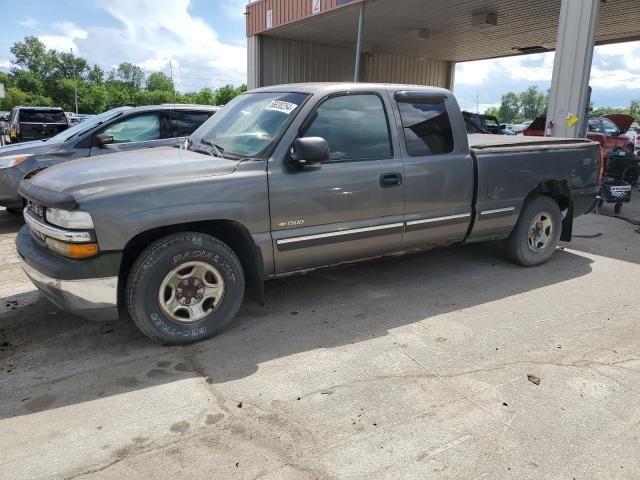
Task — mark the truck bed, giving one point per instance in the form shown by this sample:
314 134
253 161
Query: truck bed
519 142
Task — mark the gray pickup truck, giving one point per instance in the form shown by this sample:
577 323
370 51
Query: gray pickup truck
285 179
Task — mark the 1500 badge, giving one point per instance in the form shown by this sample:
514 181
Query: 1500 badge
291 223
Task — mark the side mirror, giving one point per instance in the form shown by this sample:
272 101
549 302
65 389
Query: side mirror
104 139
309 151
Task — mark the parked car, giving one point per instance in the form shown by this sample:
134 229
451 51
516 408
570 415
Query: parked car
519 127
488 123
120 129
36 123
4 121
75 119
607 130
285 179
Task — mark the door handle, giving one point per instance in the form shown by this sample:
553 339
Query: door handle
390 180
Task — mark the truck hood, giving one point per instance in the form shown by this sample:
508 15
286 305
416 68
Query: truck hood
622 121
37 146
130 170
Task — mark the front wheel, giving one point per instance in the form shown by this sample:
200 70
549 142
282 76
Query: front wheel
184 288
536 234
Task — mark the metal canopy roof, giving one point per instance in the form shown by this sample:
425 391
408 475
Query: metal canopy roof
391 26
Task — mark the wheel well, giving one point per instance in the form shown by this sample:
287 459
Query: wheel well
559 191
232 233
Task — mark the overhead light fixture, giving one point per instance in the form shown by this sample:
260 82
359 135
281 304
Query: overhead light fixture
532 49
484 19
420 34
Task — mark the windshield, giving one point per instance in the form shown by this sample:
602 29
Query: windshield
248 125
86 125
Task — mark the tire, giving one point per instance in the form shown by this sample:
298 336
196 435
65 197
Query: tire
617 208
170 264
544 211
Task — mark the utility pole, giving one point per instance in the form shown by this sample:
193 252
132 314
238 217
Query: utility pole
75 81
477 101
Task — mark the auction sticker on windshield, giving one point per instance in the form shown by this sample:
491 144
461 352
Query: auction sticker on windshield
281 106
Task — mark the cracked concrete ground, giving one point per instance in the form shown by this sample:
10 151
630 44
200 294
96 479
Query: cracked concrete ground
412 367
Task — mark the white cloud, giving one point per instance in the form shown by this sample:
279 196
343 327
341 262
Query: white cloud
234 8
29 22
65 36
532 68
156 32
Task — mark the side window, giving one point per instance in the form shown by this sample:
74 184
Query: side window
186 122
140 128
354 126
610 128
426 125
594 125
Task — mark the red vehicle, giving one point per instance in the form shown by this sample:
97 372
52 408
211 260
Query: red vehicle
608 131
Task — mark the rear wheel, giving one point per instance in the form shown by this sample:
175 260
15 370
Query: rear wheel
537 232
184 288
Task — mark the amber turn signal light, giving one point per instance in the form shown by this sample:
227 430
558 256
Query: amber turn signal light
72 250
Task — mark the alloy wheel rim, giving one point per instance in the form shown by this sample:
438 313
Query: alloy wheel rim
190 292
540 232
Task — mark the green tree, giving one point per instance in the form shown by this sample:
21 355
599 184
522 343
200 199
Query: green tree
93 98
95 75
634 108
493 111
509 107
131 75
158 81
225 94
32 55
29 82
532 102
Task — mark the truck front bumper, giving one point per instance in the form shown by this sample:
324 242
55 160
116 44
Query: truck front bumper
88 288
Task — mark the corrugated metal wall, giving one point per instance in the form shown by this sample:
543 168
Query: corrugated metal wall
289 61
284 11
394 68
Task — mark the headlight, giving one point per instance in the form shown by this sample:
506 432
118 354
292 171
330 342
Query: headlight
12 160
69 218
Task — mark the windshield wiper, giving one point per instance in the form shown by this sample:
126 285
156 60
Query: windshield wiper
217 149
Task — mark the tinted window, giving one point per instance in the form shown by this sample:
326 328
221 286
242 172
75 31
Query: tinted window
472 127
426 124
42 116
610 128
354 126
185 122
594 125
140 128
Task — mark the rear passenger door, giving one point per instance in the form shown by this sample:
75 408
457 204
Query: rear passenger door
350 207
439 174
147 129
185 122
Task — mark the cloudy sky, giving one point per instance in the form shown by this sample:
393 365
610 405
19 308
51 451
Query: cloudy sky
205 42
204 39
615 76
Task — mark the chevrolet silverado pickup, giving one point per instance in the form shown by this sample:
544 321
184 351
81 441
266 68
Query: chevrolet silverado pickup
286 179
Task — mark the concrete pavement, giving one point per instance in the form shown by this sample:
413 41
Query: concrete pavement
412 367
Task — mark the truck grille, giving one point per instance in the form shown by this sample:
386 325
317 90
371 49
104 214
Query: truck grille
36 209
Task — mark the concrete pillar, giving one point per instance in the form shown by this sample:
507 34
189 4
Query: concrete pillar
254 55
451 76
572 65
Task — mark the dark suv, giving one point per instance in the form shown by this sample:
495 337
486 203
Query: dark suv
36 123
117 130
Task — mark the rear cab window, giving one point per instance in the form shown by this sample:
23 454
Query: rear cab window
42 116
426 125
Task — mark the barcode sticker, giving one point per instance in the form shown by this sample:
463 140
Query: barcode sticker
281 106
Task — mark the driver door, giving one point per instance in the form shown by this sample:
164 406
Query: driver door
349 208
